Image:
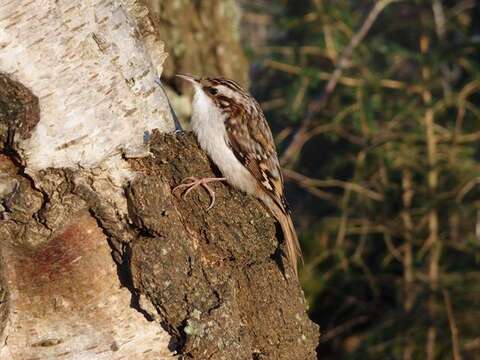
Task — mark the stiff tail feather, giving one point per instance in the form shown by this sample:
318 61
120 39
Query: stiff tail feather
291 240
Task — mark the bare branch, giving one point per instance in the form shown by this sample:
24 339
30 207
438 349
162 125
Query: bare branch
316 106
453 326
306 181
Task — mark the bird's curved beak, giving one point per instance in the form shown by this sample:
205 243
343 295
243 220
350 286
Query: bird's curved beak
187 77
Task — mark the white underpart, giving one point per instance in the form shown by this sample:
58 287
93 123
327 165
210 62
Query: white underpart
208 125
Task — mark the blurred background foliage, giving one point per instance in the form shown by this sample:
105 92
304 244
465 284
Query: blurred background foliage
382 171
375 106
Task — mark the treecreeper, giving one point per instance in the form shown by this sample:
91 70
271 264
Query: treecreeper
231 127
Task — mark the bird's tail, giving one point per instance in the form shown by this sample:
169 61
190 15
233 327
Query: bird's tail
291 240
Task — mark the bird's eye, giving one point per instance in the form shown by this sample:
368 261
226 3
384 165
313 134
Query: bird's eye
213 91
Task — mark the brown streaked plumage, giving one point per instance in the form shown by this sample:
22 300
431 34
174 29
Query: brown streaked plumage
232 129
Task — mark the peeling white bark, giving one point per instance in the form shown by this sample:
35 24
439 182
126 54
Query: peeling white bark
66 302
94 74
93 66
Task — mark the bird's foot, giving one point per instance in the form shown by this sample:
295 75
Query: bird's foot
190 183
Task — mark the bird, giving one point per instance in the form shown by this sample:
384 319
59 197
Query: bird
231 128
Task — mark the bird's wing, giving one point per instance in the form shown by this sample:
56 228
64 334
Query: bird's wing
251 140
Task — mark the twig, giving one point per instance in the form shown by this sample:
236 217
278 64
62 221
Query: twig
462 6
393 252
344 80
320 129
453 326
465 189
472 344
408 264
310 182
407 197
440 28
467 90
347 53
298 100
305 182
433 240
331 334
439 17
316 106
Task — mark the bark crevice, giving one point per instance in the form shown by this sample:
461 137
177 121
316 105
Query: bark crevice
58 276
210 278
222 263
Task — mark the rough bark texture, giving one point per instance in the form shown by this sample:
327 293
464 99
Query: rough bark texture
99 260
215 277
61 296
91 68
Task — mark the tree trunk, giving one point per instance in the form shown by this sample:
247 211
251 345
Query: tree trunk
204 38
99 259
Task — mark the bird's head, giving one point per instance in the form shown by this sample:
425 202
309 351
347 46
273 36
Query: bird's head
217 94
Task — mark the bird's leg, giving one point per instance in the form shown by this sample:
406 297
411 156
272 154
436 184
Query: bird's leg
193 182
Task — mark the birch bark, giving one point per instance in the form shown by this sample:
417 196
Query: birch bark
98 256
92 65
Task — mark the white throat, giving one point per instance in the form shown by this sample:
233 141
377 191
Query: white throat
204 109
208 123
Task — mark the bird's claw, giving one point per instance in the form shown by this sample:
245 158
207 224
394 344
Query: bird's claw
193 183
